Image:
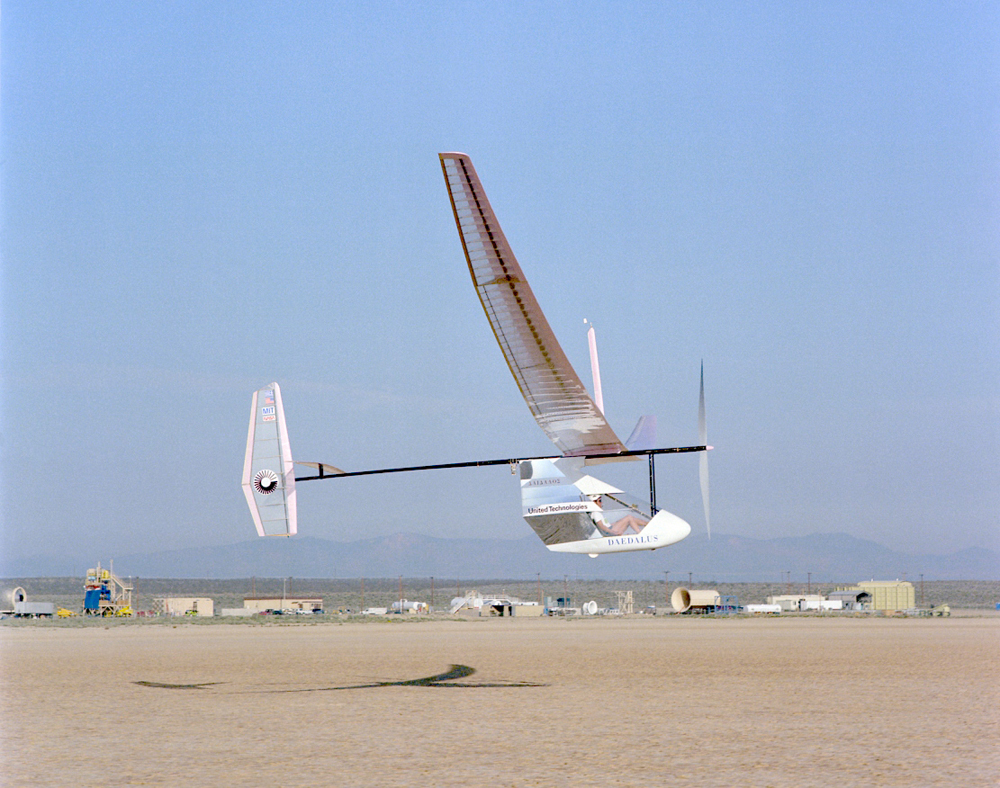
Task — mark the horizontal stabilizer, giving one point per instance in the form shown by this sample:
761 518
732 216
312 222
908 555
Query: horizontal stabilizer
268 474
323 468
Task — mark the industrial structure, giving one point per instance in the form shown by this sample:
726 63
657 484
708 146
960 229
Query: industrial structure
10 599
105 594
873 595
625 603
684 600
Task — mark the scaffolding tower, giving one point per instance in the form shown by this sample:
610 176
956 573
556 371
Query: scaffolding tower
728 605
625 605
104 593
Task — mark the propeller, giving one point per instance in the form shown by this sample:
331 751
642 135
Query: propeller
703 440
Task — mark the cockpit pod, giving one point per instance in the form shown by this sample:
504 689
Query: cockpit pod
572 512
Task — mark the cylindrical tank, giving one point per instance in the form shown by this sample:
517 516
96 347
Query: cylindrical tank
407 605
12 596
682 599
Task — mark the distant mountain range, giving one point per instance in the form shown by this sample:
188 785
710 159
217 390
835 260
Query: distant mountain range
828 557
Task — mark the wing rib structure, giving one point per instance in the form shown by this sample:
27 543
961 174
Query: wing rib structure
555 395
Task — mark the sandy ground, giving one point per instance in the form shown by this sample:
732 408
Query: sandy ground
638 702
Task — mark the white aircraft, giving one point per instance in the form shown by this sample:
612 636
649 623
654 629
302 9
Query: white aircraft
571 511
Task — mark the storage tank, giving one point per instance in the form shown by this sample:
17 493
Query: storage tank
684 600
10 598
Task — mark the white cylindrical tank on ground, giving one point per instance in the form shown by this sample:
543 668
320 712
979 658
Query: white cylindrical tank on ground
10 597
771 609
682 599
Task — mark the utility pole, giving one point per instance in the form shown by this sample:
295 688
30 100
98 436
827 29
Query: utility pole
432 595
809 582
538 579
666 589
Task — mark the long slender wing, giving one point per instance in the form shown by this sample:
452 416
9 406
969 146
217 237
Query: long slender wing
555 395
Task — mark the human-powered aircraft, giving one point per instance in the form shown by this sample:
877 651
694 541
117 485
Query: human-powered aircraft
570 510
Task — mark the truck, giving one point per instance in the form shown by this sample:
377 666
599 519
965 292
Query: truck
34 609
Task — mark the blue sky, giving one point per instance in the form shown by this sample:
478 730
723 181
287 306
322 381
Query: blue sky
199 198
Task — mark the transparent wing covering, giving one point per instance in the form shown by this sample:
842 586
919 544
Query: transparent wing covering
555 395
562 505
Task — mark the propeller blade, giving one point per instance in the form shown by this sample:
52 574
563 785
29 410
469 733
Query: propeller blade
703 460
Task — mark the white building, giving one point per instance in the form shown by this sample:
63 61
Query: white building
307 604
183 605
796 602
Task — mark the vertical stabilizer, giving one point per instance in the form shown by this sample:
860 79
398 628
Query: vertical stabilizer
703 460
595 368
268 474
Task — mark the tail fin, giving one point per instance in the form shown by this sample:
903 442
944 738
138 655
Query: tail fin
703 460
644 434
268 472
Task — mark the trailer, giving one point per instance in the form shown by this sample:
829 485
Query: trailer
34 609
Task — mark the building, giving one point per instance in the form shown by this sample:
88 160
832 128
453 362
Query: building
889 594
408 606
475 604
284 603
796 602
852 598
184 606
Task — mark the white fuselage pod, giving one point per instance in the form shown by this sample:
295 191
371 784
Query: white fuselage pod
575 513
664 529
